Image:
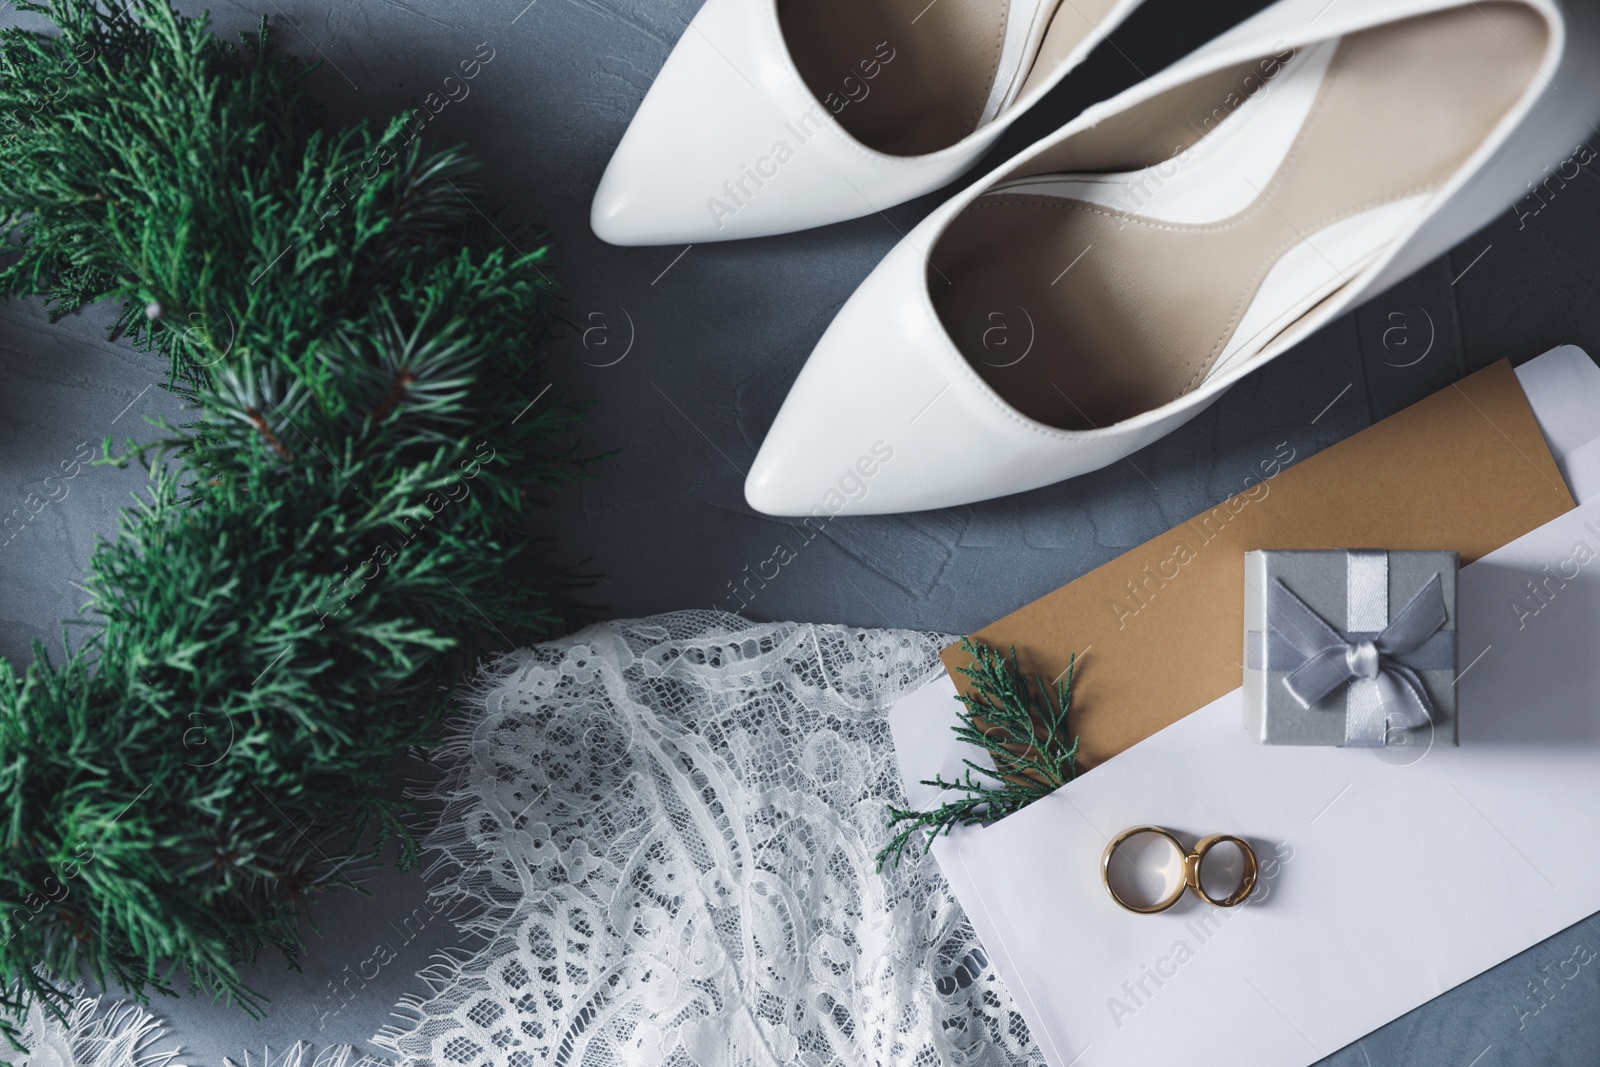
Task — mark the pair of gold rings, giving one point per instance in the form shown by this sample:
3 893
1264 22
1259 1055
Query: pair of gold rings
1193 860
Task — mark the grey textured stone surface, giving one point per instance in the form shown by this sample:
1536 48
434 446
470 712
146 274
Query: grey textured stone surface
713 336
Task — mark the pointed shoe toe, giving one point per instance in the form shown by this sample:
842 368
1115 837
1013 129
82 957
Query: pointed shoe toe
888 417
709 125
729 143
733 140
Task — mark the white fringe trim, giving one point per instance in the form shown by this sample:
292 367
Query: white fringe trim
295 1056
95 1033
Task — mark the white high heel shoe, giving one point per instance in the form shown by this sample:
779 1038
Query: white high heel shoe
1106 285
778 115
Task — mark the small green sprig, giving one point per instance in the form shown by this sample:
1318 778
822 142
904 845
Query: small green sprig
1022 724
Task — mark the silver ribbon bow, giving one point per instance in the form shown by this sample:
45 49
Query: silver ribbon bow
1379 669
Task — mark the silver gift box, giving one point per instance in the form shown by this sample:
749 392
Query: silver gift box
1351 648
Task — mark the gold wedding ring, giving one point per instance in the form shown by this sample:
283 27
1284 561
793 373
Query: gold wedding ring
1191 875
1192 862
1171 898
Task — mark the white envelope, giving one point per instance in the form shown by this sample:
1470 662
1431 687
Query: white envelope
1581 469
1563 387
1394 875
1378 867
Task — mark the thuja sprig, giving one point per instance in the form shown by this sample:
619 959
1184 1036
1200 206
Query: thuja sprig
1021 723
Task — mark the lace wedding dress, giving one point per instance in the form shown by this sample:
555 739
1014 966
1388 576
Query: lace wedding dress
664 833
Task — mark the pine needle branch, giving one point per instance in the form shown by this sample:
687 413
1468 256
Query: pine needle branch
1022 723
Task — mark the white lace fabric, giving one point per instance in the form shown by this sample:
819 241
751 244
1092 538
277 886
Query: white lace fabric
94 1033
664 833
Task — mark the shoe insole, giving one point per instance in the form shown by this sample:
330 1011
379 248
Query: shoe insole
1086 299
909 77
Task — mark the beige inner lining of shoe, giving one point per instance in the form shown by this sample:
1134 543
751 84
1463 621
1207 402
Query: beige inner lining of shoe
1144 313
907 77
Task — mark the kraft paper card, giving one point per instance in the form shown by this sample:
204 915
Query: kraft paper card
1157 629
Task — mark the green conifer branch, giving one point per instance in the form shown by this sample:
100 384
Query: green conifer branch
292 601
1022 724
